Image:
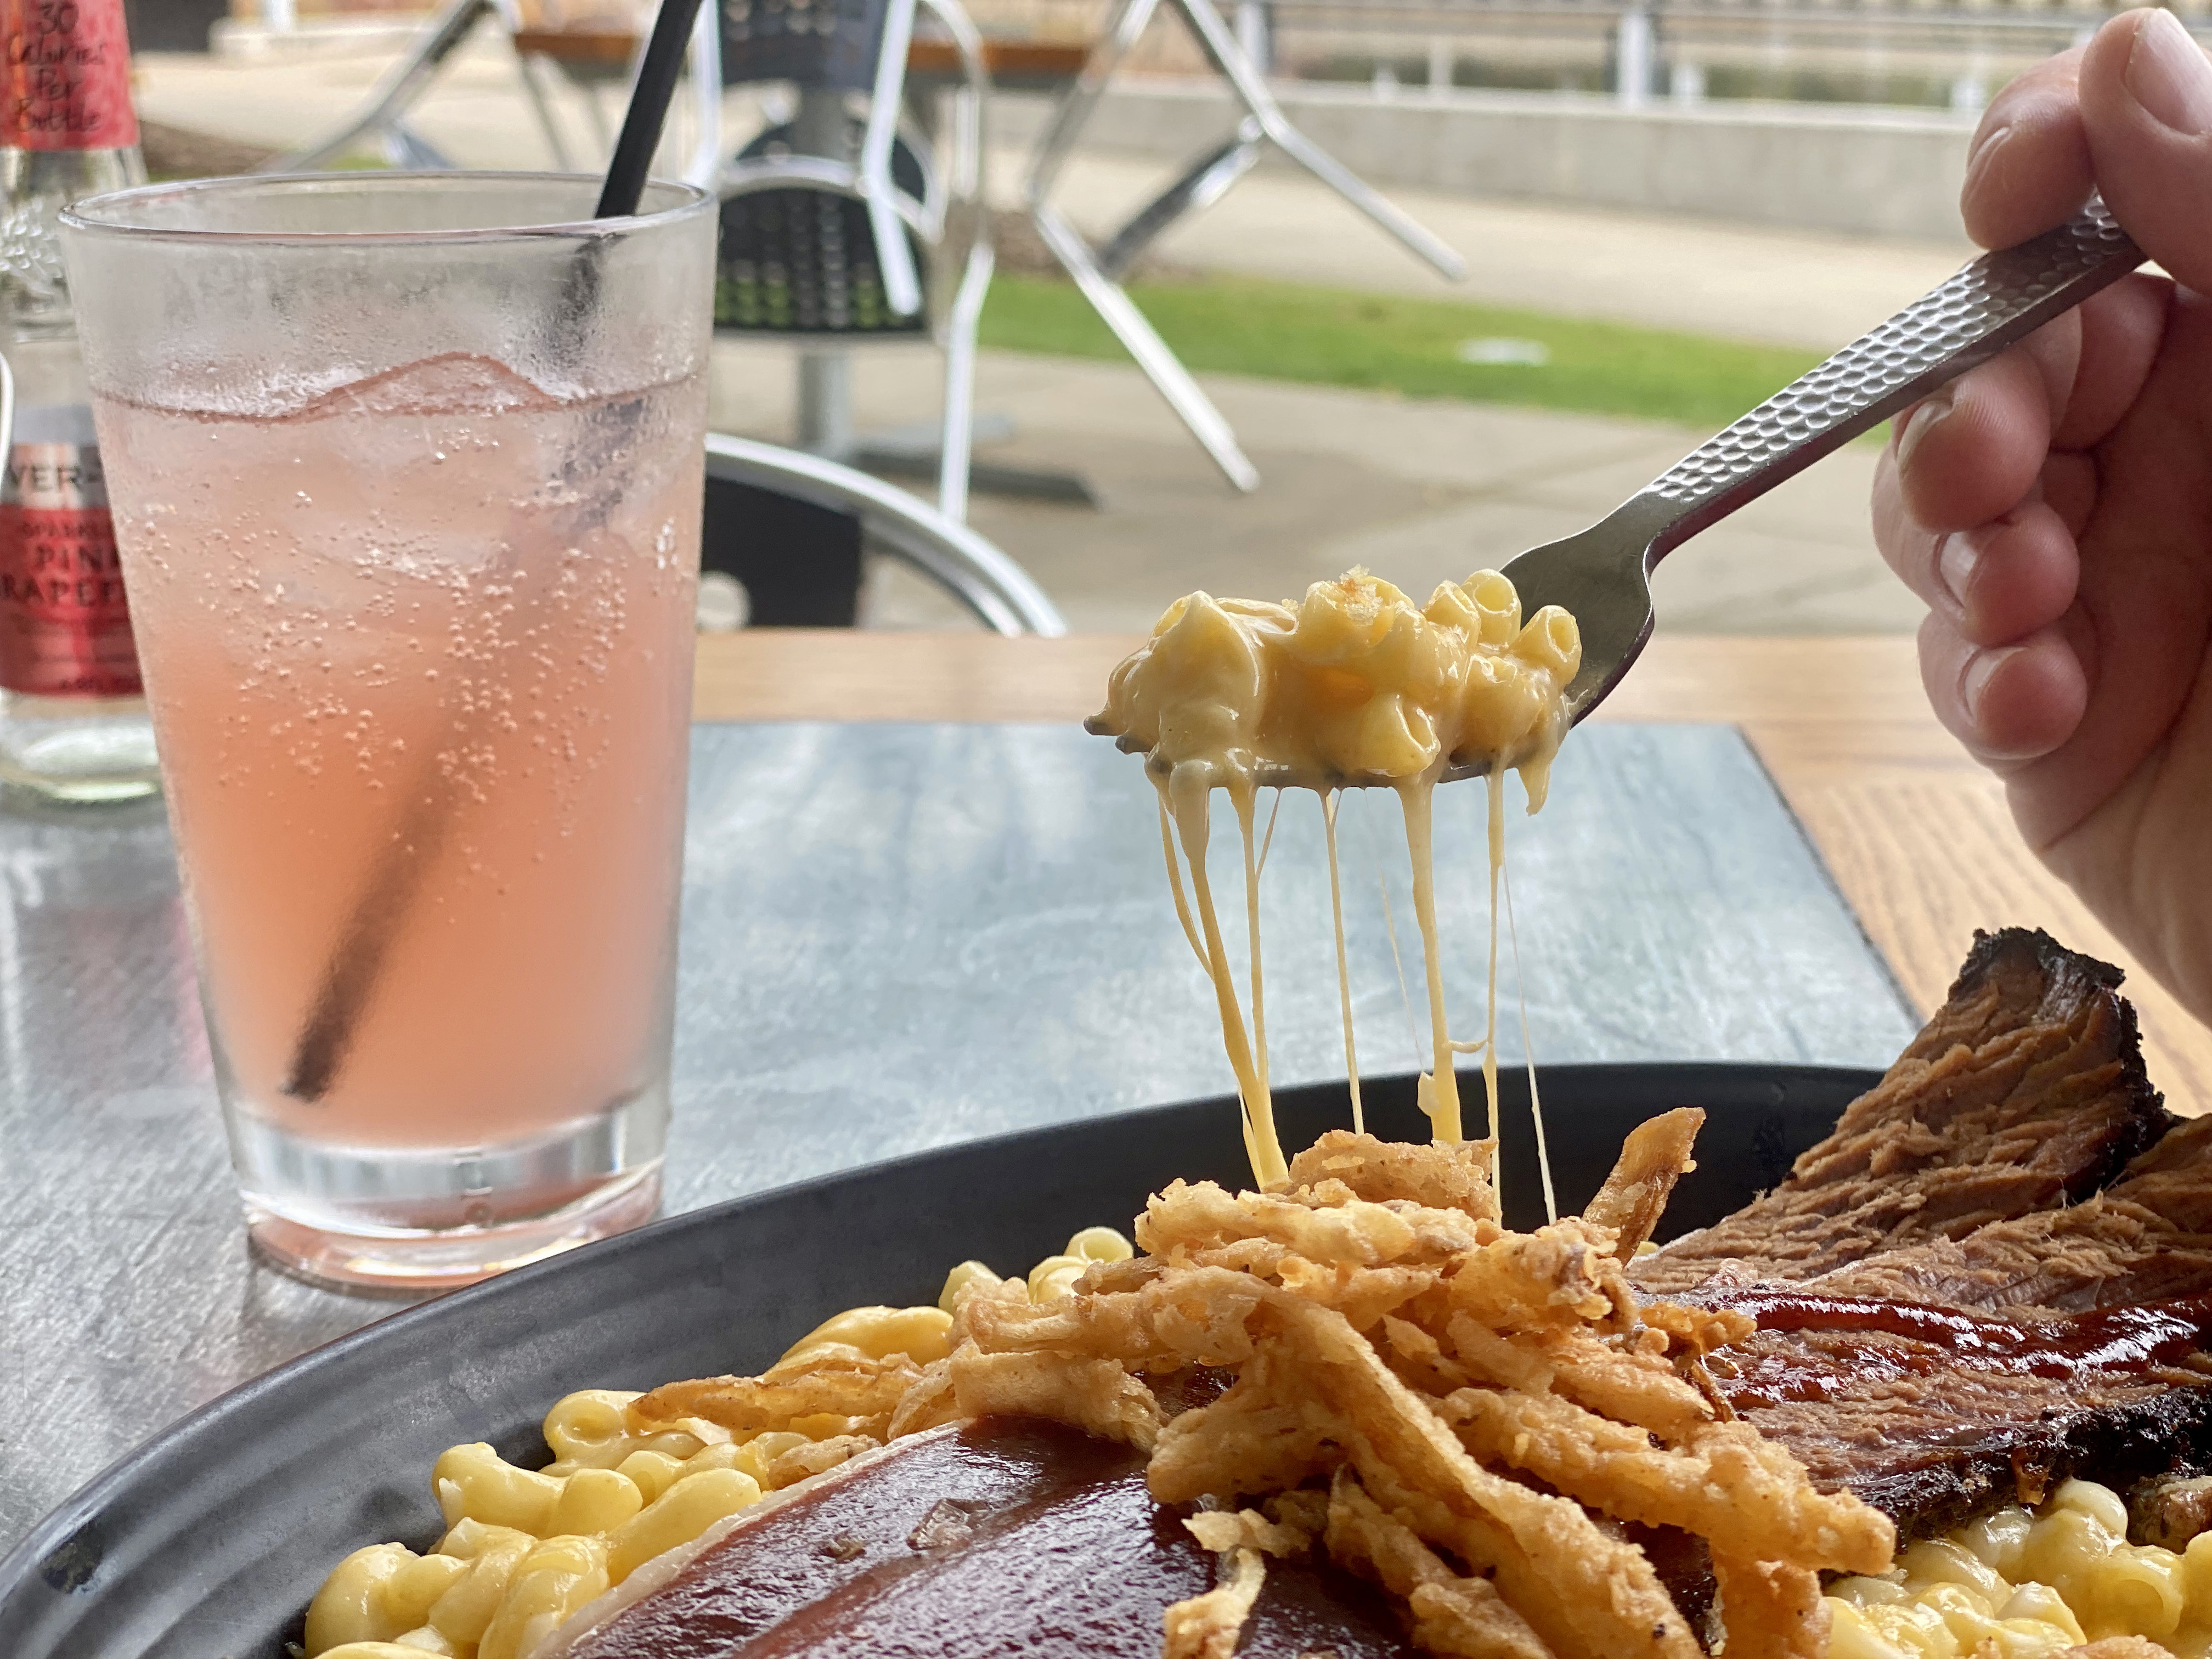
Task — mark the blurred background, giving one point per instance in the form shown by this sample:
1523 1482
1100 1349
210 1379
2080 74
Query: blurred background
1665 210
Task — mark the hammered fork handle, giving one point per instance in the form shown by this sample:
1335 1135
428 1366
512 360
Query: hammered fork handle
1990 304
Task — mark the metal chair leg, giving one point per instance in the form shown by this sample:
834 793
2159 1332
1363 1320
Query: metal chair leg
955 447
1161 366
901 283
999 592
705 165
411 152
1130 326
595 118
1074 108
533 89
1205 182
1220 45
402 85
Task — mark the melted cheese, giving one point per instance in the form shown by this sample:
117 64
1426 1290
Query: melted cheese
1352 686
1328 804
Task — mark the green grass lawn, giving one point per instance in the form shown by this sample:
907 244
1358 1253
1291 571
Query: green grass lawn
1286 331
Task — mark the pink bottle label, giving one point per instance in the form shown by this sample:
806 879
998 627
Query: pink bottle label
65 631
68 81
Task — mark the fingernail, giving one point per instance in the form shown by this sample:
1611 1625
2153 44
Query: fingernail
1980 671
2166 74
1954 566
1923 421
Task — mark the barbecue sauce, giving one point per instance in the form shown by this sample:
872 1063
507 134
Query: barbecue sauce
1003 1536
2129 1339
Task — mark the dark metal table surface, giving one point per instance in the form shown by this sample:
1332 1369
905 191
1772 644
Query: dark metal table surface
894 937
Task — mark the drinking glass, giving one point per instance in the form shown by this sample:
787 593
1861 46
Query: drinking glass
407 475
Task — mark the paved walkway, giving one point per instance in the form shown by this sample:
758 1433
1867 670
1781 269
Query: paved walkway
1780 287
1417 490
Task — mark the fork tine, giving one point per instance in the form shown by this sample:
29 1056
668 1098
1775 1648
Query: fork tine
1602 578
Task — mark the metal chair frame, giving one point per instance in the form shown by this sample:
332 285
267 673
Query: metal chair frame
953 185
869 180
385 115
998 592
1098 271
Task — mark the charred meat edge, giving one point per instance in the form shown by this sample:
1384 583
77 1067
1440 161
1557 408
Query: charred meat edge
2025 1091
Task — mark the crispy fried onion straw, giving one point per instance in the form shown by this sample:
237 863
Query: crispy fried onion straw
1477 1421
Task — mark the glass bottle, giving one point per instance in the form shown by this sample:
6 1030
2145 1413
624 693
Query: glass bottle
73 723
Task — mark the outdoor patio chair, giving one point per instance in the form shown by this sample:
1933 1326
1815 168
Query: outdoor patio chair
793 529
840 231
1098 270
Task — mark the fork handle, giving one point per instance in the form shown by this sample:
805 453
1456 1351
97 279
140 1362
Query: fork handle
1990 304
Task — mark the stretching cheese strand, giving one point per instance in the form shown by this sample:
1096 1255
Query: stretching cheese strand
1353 685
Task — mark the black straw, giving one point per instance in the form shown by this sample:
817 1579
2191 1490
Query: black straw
350 978
657 75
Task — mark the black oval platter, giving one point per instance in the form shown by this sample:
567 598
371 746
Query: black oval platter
206 1542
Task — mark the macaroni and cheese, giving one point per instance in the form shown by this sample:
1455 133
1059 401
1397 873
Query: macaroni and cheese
526 1548
2030 1585
1353 685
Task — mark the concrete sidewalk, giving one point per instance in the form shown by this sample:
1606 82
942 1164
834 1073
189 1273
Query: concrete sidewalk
1417 490
1777 287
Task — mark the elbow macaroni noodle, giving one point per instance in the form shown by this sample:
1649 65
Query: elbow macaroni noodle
1353 681
2030 1585
523 1549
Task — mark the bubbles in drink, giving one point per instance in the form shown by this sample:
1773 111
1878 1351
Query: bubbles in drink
421 643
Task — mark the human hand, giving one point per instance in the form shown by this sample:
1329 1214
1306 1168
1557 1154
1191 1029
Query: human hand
2054 505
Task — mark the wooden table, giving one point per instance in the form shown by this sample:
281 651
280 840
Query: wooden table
1916 837
1015 64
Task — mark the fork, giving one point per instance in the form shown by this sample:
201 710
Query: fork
1602 575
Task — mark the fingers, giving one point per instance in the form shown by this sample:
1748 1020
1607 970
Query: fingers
2006 579
2145 93
2029 165
2120 330
1995 584
1973 449
2009 704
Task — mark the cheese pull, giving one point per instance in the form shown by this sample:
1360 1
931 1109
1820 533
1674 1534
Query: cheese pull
1352 686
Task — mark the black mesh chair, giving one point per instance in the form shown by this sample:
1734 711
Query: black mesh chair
841 229
802 258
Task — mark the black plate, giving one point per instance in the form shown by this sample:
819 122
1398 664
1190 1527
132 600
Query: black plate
207 1542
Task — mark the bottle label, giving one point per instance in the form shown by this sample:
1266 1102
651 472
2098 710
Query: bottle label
68 83
65 631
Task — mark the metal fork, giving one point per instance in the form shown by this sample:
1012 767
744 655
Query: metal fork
1603 574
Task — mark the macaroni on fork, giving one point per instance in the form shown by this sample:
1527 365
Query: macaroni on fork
1354 686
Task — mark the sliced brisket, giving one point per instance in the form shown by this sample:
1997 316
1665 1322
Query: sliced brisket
2025 1091
1932 1441
2147 1238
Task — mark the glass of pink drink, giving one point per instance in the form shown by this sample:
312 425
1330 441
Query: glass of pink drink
406 473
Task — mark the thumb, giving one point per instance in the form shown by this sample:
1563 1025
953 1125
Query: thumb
2145 92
